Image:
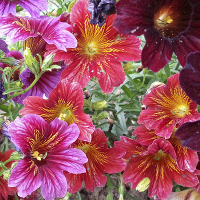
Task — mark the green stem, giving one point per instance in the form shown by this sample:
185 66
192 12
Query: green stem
177 66
6 141
24 91
16 197
7 161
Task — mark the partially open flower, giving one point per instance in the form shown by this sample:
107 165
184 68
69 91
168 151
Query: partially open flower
168 26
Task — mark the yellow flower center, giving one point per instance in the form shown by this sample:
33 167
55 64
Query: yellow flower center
38 156
181 110
91 49
67 115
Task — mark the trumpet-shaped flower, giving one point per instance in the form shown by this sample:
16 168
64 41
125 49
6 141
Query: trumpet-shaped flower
46 28
101 160
4 189
167 107
158 164
168 26
33 7
65 102
46 155
186 158
99 52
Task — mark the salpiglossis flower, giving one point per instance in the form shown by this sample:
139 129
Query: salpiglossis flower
99 52
46 28
158 164
101 160
186 158
167 107
65 102
4 189
47 155
33 7
168 26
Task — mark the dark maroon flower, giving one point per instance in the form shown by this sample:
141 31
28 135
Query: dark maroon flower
168 26
189 134
189 77
99 10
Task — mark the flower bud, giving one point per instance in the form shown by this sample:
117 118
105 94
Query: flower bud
31 62
143 185
15 156
6 174
47 62
99 105
127 67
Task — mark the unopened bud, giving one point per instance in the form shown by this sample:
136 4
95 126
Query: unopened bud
31 62
6 174
99 105
15 156
143 185
127 67
47 62
102 115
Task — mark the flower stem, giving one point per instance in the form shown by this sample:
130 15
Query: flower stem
24 91
6 141
16 197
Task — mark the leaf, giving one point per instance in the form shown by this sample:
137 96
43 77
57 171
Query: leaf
17 89
127 91
167 70
121 117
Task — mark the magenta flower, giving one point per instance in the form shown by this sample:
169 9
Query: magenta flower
50 29
33 7
47 155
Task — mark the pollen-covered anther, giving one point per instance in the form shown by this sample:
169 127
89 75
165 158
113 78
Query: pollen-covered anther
159 155
181 111
164 20
37 155
85 148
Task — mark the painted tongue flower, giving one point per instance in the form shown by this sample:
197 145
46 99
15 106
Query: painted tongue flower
157 168
101 160
47 155
4 189
99 52
167 107
33 7
65 102
46 28
168 26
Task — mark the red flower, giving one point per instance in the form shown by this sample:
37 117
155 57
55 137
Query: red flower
100 160
167 107
186 158
4 189
158 164
99 52
65 102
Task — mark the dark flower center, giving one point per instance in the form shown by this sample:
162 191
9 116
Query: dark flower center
172 18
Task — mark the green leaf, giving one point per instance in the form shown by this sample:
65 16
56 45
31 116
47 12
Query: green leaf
4 108
121 117
127 91
167 70
17 89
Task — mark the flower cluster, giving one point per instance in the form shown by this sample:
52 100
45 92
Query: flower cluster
58 73
158 155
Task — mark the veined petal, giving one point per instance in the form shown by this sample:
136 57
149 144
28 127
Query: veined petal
25 177
66 103
100 160
167 106
99 52
51 30
33 7
159 165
